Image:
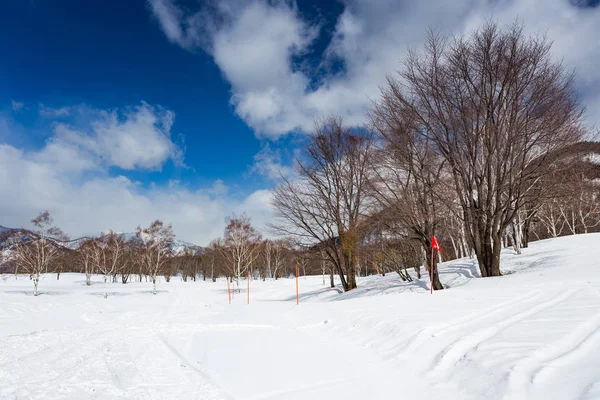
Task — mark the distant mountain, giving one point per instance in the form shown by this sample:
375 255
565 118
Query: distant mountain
4 229
178 246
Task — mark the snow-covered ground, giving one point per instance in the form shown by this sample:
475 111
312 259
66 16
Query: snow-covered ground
532 334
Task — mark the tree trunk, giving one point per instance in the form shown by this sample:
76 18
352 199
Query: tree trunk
348 260
488 255
331 279
105 292
495 267
88 279
454 248
154 284
343 281
36 281
437 285
525 235
516 236
351 278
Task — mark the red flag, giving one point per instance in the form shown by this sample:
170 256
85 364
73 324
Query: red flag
434 244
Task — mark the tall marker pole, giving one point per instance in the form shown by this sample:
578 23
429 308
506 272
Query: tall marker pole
228 291
296 284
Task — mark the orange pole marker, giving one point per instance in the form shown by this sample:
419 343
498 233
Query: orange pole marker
228 291
296 284
248 286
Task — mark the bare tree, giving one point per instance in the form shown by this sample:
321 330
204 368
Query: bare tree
108 252
327 204
131 260
33 251
156 248
400 254
85 258
494 105
266 259
281 252
188 264
240 246
273 254
213 260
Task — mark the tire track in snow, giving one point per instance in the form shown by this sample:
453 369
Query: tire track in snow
453 353
425 334
207 380
280 394
547 369
470 319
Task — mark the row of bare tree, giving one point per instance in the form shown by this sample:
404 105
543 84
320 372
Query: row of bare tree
147 255
45 248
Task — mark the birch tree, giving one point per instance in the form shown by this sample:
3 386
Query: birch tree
85 257
240 246
156 249
34 250
108 252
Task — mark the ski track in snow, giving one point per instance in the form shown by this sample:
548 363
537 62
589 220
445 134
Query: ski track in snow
533 334
458 350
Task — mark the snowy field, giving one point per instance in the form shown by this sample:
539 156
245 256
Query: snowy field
533 334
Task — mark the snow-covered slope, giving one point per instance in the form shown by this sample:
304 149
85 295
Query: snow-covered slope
532 334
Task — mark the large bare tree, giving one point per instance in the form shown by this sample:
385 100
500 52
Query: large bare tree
326 204
493 104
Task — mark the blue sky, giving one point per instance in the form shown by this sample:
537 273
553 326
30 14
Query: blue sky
112 55
115 113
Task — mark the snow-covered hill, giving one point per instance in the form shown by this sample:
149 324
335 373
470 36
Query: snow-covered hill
532 334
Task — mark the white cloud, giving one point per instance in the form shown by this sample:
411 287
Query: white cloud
255 48
218 188
28 186
16 105
49 112
268 162
178 28
134 138
253 44
69 176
